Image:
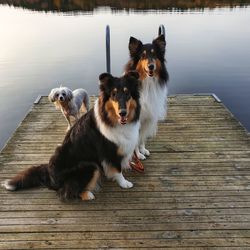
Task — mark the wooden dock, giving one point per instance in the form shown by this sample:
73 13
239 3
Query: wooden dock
195 193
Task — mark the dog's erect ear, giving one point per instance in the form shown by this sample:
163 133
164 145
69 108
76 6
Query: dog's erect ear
105 81
160 43
133 73
134 46
51 96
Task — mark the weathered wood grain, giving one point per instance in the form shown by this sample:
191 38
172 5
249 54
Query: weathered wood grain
195 193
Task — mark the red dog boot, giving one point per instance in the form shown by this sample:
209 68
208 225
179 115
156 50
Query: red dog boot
136 164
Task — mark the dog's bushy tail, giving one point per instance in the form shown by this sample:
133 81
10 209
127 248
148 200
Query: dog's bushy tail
31 177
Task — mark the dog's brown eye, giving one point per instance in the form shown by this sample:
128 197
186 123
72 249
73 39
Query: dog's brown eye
113 93
126 91
57 95
63 94
144 53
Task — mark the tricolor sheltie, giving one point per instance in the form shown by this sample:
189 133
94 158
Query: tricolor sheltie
100 143
149 61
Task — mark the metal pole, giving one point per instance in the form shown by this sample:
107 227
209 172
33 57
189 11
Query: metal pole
161 30
108 49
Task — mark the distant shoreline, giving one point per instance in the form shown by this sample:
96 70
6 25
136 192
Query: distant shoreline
139 6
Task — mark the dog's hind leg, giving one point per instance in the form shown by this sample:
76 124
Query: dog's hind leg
86 101
91 186
81 182
78 115
87 196
67 117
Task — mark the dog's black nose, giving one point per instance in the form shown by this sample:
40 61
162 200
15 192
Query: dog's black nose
123 112
151 66
61 98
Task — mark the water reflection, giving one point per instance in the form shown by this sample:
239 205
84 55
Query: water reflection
206 52
129 5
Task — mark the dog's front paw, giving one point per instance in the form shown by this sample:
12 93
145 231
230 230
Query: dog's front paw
144 151
140 156
122 182
126 184
87 196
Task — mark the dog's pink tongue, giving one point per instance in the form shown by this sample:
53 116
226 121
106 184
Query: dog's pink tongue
151 73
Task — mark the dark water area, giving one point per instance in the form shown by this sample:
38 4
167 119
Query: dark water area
47 43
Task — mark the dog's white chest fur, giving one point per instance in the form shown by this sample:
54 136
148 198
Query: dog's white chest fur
124 136
153 98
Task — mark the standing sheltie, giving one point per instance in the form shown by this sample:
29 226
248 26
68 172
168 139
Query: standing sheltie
100 142
149 61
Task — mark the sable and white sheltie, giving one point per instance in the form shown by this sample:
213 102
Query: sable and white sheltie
149 61
100 142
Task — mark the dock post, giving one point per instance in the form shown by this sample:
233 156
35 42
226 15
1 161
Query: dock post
108 49
161 30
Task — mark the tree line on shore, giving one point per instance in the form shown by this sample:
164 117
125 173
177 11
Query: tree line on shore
128 5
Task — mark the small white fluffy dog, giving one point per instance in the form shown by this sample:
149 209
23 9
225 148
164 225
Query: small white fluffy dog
70 102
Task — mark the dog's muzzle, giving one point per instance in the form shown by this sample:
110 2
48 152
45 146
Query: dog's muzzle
61 98
151 68
123 116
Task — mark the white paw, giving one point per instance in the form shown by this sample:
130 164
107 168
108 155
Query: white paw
140 156
126 184
7 186
91 195
87 196
144 151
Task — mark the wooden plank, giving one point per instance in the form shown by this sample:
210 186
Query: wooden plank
195 193
120 244
130 235
125 227
125 213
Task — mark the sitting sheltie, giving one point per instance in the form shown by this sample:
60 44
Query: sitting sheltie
100 142
149 61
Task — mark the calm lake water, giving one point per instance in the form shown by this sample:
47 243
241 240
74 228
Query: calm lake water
208 50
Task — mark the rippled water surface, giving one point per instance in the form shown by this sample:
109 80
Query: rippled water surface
208 50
